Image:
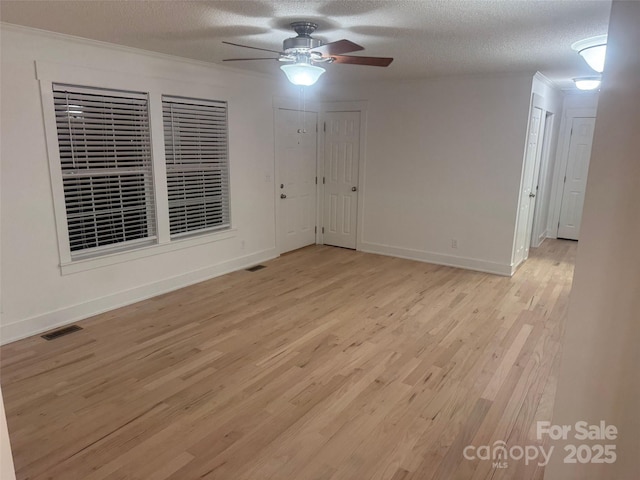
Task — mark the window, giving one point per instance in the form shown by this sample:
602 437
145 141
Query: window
197 161
108 169
105 157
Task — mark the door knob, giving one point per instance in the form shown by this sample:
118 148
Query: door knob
532 195
282 195
354 189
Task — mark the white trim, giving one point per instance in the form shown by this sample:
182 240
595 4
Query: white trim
290 103
55 173
110 79
48 73
516 266
159 168
562 158
439 259
320 176
137 51
543 235
546 80
350 106
41 323
85 264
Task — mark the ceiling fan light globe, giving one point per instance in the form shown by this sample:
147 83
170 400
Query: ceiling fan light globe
302 73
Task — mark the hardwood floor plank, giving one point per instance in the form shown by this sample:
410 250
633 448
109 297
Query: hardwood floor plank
328 364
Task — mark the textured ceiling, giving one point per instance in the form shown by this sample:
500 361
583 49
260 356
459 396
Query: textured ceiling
427 38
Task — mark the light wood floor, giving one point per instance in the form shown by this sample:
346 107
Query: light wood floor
328 364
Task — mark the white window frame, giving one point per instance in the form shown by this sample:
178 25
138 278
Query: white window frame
146 168
47 74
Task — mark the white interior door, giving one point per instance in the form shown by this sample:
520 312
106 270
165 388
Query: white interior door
527 193
539 229
341 163
296 152
575 180
535 182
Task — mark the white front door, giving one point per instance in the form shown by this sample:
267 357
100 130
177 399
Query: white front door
527 189
575 180
296 147
341 163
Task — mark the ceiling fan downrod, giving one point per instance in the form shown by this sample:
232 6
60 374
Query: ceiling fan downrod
304 29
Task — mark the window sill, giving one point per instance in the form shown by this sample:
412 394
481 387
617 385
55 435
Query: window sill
85 264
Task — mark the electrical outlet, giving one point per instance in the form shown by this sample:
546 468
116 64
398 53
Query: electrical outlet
267 177
454 243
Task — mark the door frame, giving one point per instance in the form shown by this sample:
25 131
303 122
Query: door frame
360 106
562 160
288 103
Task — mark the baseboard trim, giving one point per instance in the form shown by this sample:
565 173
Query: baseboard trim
515 266
438 258
41 323
541 238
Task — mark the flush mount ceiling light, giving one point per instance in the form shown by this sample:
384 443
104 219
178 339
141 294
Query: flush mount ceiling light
587 83
593 50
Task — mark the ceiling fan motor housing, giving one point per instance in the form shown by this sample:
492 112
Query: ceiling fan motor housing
303 42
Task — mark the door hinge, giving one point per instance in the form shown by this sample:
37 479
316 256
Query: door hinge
324 127
316 230
558 225
322 229
323 180
316 180
565 179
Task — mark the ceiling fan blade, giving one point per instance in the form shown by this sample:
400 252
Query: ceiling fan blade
338 48
371 61
254 48
243 59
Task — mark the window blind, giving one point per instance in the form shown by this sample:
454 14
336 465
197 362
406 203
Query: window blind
105 157
197 160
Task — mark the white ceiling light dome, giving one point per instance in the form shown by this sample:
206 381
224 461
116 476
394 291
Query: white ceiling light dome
587 83
593 50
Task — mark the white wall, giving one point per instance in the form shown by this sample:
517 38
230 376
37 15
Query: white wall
443 161
35 295
599 378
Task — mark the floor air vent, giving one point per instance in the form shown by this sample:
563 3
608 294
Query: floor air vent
256 268
61 332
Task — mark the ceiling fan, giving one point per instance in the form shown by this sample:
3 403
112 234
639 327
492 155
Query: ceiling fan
302 53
